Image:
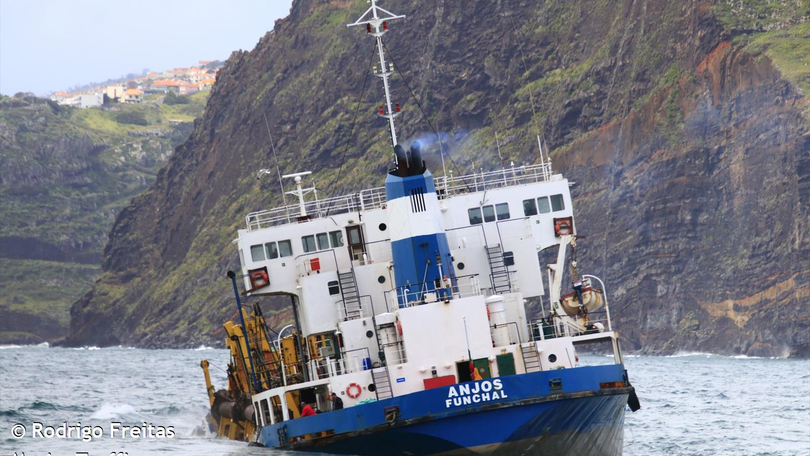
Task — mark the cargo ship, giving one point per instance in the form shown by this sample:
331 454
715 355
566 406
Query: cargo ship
411 334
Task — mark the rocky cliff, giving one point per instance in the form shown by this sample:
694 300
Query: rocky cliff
684 124
65 173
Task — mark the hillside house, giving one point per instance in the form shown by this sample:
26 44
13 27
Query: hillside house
188 89
90 100
206 84
166 85
115 91
133 96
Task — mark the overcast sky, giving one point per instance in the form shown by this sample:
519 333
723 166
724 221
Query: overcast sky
52 45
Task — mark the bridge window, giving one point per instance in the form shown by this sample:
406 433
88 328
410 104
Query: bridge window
309 244
475 216
323 241
489 213
285 248
557 203
272 250
257 252
542 205
337 238
529 208
502 210
334 287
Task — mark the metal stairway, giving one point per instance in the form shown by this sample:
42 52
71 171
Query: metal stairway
382 383
501 282
351 298
531 360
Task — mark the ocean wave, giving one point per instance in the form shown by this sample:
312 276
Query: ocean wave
11 414
687 354
42 405
11 346
113 410
203 347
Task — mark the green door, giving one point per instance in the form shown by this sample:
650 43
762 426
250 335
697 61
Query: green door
506 364
482 366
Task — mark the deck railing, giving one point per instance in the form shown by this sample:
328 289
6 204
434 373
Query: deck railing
365 200
374 198
447 186
425 293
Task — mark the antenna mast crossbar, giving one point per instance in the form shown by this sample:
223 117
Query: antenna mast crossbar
377 18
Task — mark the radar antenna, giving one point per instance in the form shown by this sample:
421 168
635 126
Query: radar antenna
376 21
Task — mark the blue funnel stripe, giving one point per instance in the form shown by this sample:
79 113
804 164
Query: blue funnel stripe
400 187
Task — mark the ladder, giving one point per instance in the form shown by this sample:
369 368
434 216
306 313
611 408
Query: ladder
531 360
501 282
351 298
382 383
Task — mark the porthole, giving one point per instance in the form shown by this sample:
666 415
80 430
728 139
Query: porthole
460 266
372 387
381 279
370 334
383 227
552 358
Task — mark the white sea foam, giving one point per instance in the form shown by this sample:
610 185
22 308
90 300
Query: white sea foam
203 347
6 347
686 354
109 411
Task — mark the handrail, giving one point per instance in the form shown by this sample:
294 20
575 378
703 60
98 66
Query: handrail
505 177
317 252
375 198
405 296
364 200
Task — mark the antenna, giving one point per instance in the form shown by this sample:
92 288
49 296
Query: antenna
275 157
376 21
299 190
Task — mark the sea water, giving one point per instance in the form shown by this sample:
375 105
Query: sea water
692 404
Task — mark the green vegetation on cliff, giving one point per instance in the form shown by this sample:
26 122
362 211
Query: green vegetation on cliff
65 173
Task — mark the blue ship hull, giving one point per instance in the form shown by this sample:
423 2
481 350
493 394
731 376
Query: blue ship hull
563 412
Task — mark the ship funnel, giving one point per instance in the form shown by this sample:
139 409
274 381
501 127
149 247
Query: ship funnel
402 161
417 165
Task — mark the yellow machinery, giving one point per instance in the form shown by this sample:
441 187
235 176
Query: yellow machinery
255 365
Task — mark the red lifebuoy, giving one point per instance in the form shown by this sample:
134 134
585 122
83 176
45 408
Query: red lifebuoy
562 226
349 390
399 327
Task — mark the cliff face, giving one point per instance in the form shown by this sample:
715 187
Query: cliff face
689 149
64 175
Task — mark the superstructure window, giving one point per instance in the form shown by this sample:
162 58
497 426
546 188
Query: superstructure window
475 216
489 213
272 250
334 287
557 203
542 205
502 211
529 208
257 252
336 237
323 241
285 248
309 243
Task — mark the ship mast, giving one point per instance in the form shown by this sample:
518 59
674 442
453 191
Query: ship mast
376 21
